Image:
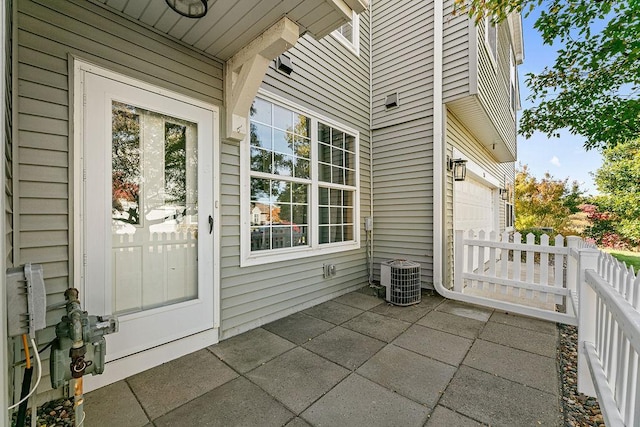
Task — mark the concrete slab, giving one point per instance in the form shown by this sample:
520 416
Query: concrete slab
377 326
409 313
172 384
359 300
345 347
298 378
298 327
113 405
357 401
523 322
499 402
516 365
247 351
237 403
465 310
447 348
457 325
333 312
297 422
442 417
523 339
414 376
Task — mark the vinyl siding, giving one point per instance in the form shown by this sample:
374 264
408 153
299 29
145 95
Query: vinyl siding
402 62
48 32
456 58
8 137
459 137
493 85
330 80
403 195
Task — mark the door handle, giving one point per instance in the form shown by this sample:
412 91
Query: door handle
210 224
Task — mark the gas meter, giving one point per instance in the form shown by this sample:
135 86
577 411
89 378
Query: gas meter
79 347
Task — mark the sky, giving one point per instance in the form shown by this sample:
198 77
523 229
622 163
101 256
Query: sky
563 157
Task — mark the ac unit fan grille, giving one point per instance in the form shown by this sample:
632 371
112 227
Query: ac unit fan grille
402 280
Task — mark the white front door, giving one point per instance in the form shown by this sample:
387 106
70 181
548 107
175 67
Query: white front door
147 212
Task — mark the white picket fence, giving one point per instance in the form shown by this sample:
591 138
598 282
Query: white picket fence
598 293
609 336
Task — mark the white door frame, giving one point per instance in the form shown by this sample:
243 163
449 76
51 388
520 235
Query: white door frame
124 367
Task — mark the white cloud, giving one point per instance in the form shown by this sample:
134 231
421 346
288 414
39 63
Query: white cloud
555 161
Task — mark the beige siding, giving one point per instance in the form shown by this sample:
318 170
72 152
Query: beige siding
456 59
402 60
332 81
493 85
48 32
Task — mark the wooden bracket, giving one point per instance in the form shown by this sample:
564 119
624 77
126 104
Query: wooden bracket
245 71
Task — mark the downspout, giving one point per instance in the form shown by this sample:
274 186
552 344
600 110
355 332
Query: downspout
371 195
438 149
4 393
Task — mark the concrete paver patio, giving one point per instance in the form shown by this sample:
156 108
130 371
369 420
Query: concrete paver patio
354 361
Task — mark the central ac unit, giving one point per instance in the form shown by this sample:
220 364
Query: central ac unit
401 278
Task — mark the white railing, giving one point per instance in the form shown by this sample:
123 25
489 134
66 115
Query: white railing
524 277
600 295
609 336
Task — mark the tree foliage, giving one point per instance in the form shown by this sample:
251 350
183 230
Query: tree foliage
593 88
618 180
545 202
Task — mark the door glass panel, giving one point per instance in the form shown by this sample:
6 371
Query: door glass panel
154 209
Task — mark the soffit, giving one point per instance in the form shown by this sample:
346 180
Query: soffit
230 25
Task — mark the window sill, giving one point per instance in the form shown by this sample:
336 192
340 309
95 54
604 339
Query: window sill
280 255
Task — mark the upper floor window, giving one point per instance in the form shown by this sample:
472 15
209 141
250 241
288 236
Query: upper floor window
491 37
349 34
301 184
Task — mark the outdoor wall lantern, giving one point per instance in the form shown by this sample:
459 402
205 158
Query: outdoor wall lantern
504 194
189 8
459 168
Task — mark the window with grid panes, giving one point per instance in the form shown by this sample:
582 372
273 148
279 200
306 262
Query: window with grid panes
302 181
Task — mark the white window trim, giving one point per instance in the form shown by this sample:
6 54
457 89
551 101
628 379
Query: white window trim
487 45
355 45
249 258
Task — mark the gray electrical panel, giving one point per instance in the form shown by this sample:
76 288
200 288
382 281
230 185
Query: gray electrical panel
26 300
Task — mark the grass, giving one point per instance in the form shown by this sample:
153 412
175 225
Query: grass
628 257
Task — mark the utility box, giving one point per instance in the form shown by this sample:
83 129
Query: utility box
26 300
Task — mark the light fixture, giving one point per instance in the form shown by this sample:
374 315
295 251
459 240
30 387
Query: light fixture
284 64
459 168
189 8
504 194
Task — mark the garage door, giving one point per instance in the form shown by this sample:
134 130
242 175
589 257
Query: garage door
473 206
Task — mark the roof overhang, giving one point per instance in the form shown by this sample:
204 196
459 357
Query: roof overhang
230 25
514 21
471 113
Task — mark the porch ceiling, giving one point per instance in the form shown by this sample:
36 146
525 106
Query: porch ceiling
230 25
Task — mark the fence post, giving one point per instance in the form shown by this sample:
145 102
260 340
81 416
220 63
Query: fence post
588 260
572 264
458 261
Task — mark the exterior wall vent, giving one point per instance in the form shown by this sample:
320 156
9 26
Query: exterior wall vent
401 278
284 64
391 101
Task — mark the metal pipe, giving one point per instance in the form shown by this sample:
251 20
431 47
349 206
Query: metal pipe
77 352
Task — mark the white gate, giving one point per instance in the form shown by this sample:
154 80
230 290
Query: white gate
503 272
